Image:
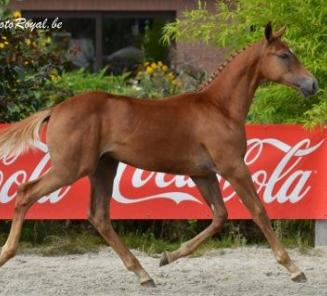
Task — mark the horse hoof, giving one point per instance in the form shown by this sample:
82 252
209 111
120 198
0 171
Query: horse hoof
149 284
299 278
164 259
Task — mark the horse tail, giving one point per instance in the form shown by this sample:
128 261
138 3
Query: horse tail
22 135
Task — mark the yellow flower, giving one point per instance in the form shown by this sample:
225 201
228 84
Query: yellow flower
164 68
149 70
6 42
54 77
154 66
176 82
17 14
2 45
28 41
4 37
170 76
160 64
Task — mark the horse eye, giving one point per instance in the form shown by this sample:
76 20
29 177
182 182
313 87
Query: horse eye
284 56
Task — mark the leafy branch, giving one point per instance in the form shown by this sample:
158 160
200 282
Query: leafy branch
235 25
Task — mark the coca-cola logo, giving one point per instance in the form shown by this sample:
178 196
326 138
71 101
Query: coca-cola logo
9 184
285 182
293 180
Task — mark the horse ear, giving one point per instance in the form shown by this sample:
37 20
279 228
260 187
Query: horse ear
268 32
280 32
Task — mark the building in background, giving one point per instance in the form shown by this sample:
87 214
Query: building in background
120 34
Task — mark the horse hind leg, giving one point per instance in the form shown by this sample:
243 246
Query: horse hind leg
209 188
28 194
101 191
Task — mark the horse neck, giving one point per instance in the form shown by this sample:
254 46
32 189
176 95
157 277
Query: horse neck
233 89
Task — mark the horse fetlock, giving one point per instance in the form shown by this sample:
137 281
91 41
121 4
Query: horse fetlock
10 253
299 277
282 258
165 259
7 253
149 283
132 265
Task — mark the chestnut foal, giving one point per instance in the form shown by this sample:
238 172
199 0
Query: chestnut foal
198 134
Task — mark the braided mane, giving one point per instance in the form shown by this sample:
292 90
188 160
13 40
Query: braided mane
220 68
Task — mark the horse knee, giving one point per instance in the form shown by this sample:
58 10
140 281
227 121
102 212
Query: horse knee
25 195
21 200
219 221
93 220
260 214
21 204
98 222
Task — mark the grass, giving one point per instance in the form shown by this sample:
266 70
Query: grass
64 238
147 243
67 245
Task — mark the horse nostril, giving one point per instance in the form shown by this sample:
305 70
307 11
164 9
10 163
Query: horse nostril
308 86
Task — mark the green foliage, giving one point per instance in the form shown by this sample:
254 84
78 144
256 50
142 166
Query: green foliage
153 49
237 25
156 80
27 60
295 233
153 80
3 10
278 104
79 81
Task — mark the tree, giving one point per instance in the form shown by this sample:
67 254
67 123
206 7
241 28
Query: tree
28 60
238 23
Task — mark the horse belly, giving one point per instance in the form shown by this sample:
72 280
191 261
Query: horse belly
184 160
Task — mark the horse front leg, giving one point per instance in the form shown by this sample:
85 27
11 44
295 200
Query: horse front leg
209 189
240 179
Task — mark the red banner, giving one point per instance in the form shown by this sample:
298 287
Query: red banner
288 166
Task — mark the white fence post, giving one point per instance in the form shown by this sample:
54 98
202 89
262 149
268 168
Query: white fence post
320 233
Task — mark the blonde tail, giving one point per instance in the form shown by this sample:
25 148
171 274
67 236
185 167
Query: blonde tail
22 135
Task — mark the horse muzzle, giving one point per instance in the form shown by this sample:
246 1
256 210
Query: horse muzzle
308 86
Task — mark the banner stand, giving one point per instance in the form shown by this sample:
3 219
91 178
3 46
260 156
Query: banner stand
320 233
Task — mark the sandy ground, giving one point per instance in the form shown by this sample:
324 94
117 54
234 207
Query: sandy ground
244 271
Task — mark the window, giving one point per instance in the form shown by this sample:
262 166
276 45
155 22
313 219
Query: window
119 41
